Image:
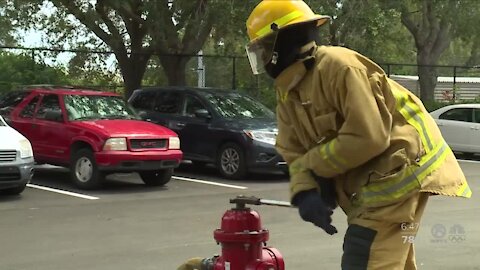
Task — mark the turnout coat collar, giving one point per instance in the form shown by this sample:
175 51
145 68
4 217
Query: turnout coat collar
292 75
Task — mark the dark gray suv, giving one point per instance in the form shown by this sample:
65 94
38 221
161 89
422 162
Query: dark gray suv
224 127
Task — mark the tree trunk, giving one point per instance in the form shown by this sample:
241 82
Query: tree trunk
333 34
174 67
432 35
132 68
132 80
427 76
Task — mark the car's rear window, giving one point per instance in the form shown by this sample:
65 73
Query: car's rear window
9 100
238 106
458 114
12 99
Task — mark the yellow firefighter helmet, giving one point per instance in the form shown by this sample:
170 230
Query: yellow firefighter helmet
266 19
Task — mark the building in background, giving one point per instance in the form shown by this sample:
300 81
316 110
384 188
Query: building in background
466 88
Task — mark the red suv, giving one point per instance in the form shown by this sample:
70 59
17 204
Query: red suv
91 132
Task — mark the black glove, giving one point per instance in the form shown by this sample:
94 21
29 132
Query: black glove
313 209
327 190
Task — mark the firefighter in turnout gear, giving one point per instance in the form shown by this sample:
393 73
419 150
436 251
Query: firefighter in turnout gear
351 137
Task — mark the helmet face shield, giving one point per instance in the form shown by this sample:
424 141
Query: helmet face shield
264 23
260 52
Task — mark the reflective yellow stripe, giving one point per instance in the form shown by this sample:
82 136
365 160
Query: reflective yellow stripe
464 191
415 117
408 179
411 177
296 167
328 153
279 22
325 155
283 96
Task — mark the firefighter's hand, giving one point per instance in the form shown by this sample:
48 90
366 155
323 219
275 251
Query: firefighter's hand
313 209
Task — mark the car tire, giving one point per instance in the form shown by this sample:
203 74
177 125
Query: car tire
231 161
14 191
84 170
156 178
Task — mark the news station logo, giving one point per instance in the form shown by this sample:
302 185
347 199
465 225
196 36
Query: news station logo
452 234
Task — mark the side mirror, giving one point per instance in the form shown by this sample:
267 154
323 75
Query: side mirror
202 113
2 120
5 118
54 115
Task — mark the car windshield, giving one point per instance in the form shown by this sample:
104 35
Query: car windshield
235 105
82 107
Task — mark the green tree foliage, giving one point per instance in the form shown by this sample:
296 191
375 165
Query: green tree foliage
468 33
181 28
114 24
18 70
220 32
16 15
229 34
226 36
6 26
433 24
364 26
137 29
358 24
144 34
94 71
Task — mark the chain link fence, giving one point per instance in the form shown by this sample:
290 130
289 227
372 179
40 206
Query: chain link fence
99 69
454 83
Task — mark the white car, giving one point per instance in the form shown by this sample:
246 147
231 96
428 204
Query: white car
460 126
16 160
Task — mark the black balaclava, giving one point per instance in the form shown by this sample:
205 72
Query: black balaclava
288 44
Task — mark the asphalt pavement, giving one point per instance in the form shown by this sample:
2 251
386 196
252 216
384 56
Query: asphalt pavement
128 226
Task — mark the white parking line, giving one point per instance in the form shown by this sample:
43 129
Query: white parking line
64 192
207 182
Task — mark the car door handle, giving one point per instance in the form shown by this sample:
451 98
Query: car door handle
34 126
474 128
180 124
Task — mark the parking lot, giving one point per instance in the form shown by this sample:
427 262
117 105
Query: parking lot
129 226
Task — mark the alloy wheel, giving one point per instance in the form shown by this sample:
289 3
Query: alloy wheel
230 161
84 169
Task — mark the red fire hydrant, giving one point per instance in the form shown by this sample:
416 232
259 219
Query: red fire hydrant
244 241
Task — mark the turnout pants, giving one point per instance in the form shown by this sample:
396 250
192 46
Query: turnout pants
382 238
191 264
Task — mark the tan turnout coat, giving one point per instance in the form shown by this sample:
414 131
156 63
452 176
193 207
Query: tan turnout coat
344 119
